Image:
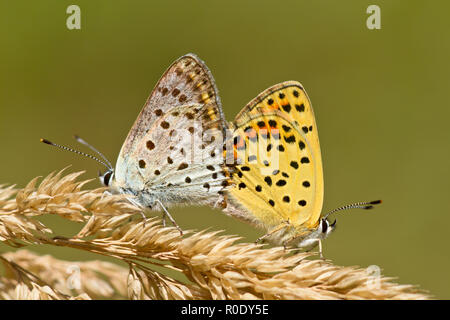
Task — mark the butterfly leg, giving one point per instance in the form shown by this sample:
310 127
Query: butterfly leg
105 193
167 214
319 243
137 204
320 248
274 230
312 243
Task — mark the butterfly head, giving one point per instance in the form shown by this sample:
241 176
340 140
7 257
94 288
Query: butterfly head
107 177
310 240
326 228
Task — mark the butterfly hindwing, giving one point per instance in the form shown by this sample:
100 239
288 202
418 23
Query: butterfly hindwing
280 178
177 160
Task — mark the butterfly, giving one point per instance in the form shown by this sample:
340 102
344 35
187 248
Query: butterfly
278 182
172 154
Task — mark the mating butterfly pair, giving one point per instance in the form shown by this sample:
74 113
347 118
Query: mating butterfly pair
264 168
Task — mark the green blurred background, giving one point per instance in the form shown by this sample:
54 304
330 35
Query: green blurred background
381 100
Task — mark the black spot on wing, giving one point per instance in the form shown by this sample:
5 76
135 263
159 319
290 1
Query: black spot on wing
286 107
304 160
294 164
300 108
290 139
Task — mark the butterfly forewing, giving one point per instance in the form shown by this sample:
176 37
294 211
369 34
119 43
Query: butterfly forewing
152 161
280 178
186 81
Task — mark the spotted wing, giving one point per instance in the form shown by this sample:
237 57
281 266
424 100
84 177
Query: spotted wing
185 86
179 159
280 177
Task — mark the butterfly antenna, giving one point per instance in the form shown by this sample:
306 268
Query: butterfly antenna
76 151
80 140
359 205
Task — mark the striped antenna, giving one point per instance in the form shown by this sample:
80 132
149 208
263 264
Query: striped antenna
77 152
82 141
359 205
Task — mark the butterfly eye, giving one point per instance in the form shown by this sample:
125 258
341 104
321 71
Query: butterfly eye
106 178
324 226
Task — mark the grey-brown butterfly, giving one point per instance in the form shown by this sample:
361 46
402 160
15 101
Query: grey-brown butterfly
173 152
